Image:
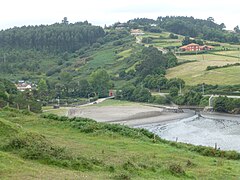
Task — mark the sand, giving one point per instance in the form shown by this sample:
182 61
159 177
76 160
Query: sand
128 115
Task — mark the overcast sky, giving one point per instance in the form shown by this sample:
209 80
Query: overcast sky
100 12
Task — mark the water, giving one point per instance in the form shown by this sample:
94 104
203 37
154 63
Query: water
206 131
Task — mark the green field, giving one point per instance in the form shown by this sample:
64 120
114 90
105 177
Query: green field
102 58
195 72
101 154
163 40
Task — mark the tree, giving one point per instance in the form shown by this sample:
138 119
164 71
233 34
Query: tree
186 41
141 94
42 88
173 91
153 62
222 26
175 82
100 82
171 59
127 92
172 36
210 19
236 29
84 88
222 104
65 21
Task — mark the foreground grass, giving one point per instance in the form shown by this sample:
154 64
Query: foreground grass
109 152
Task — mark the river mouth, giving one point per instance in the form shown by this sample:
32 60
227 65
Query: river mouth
207 130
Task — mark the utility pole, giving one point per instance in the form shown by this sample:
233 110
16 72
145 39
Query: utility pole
4 57
203 88
238 53
180 88
58 101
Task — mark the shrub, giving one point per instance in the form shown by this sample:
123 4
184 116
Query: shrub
111 168
122 177
176 169
36 147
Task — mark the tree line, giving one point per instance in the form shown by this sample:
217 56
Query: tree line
205 29
58 37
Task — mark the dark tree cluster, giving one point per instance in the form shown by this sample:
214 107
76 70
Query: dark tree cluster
154 62
203 29
59 37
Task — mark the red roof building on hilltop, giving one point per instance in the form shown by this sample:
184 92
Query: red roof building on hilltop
196 47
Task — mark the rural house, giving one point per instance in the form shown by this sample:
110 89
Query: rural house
196 47
137 32
22 86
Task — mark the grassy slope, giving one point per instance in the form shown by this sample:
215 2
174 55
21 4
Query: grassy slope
135 158
195 72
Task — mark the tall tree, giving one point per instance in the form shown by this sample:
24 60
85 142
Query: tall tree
65 20
236 29
100 82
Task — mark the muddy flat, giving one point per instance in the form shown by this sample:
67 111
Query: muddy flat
128 115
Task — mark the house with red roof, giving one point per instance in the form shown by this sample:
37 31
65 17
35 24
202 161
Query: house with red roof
196 47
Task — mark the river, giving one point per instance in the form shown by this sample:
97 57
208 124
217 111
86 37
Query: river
207 130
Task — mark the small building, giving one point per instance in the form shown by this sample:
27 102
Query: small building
207 48
196 47
112 93
137 32
121 26
22 86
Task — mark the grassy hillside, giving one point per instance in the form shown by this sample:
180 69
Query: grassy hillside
194 72
82 149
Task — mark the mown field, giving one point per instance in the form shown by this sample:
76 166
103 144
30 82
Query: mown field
195 72
59 148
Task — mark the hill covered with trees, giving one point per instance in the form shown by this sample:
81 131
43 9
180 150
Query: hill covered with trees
190 26
58 37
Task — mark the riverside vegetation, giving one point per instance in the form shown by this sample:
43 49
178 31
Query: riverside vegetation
49 146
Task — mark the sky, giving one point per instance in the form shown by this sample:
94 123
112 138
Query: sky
101 12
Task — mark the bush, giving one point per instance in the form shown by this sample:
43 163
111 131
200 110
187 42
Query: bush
160 100
122 177
172 36
173 91
223 104
36 147
176 169
225 66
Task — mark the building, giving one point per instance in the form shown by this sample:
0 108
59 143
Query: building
112 93
121 26
196 47
137 32
22 86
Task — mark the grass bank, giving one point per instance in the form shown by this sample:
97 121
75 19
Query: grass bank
55 147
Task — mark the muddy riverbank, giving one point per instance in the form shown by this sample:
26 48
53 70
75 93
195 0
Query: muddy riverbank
207 130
